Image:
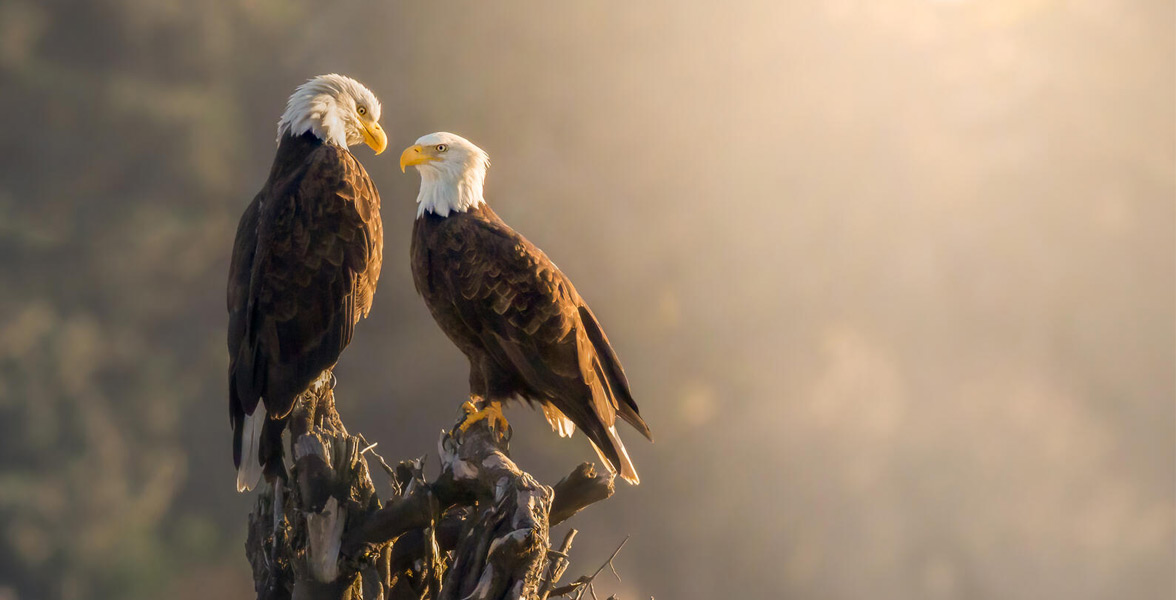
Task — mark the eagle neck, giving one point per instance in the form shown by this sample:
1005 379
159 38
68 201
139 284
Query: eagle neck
292 151
443 192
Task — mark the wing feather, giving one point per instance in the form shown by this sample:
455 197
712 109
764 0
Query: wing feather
306 274
529 316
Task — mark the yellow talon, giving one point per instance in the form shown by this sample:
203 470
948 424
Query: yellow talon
469 408
492 412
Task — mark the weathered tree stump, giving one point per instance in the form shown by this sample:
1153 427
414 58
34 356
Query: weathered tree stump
478 530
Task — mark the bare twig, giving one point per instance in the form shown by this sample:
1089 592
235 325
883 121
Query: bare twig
558 565
584 583
370 448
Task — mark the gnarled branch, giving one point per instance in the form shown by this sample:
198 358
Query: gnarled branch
478 530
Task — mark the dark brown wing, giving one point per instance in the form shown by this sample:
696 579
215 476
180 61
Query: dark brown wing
240 271
304 271
613 372
527 312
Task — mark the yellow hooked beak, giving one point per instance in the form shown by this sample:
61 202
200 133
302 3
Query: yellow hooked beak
414 155
374 136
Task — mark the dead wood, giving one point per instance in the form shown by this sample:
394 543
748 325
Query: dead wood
478 530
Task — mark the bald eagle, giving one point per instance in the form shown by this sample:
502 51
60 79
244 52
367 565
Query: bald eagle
515 315
305 264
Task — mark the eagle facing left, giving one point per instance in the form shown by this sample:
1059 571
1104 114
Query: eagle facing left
305 264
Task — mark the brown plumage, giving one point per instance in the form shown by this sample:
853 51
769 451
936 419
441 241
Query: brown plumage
304 269
523 326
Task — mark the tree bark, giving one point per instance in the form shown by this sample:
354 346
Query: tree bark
478 530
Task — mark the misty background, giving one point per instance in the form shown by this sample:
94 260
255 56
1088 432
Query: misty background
894 283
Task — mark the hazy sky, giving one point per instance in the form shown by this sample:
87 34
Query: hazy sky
895 285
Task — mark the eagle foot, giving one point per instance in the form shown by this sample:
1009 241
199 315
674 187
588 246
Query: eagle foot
492 412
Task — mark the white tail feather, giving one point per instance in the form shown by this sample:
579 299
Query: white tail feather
249 471
603 458
628 472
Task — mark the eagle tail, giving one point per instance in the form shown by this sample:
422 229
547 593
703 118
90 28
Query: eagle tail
627 471
249 434
613 375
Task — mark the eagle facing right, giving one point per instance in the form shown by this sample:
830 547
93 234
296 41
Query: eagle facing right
305 263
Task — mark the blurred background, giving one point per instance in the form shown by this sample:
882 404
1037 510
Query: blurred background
894 282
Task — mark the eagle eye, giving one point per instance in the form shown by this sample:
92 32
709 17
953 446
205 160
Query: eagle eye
361 110
442 147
